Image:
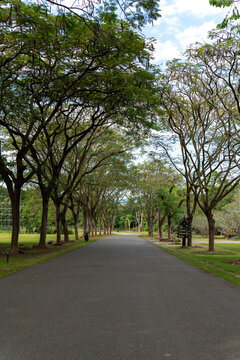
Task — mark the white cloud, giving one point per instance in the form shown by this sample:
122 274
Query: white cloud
194 34
174 47
198 8
172 21
165 51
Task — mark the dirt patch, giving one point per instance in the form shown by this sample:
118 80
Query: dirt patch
206 252
165 240
233 262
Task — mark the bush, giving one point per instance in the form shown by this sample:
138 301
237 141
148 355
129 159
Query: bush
200 225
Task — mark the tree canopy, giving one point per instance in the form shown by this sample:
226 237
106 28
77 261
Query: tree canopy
63 77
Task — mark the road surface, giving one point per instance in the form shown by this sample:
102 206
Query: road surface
120 298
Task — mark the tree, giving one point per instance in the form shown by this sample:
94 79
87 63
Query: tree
170 202
219 63
232 16
227 218
31 209
145 184
135 12
211 166
147 178
79 71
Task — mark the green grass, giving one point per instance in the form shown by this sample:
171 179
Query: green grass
31 256
215 262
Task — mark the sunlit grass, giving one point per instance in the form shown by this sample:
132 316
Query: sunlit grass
29 256
217 262
28 239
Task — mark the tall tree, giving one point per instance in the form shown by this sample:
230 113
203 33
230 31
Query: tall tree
211 166
170 201
147 178
79 70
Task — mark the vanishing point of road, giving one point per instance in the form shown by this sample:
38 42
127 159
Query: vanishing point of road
120 298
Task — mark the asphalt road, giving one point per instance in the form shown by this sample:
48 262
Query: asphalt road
118 299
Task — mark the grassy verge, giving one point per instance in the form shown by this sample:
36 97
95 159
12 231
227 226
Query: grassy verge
220 262
30 256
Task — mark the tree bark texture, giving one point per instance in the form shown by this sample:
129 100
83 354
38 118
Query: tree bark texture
150 225
160 220
169 227
15 201
64 223
211 230
100 226
43 231
189 239
84 221
58 223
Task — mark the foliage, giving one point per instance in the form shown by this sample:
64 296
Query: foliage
70 77
169 201
228 219
202 110
213 262
136 12
200 224
144 201
233 15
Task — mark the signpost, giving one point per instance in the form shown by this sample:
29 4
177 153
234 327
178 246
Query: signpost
184 230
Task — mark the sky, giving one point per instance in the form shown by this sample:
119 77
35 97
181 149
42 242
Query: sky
183 22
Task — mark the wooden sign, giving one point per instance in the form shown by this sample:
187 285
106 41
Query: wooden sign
183 228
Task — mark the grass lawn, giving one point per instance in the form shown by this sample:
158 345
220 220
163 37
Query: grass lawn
217 262
220 262
31 256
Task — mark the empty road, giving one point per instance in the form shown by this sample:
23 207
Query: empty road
120 298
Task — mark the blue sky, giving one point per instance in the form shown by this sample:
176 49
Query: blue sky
183 22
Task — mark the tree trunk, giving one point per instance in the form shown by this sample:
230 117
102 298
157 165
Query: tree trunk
84 221
190 212
100 226
138 220
76 230
190 219
88 225
75 215
160 220
169 227
95 226
150 225
141 225
58 222
15 201
75 220
110 226
43 231
64 223
91 225
211 229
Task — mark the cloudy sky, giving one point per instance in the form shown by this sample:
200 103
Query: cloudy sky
183 22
